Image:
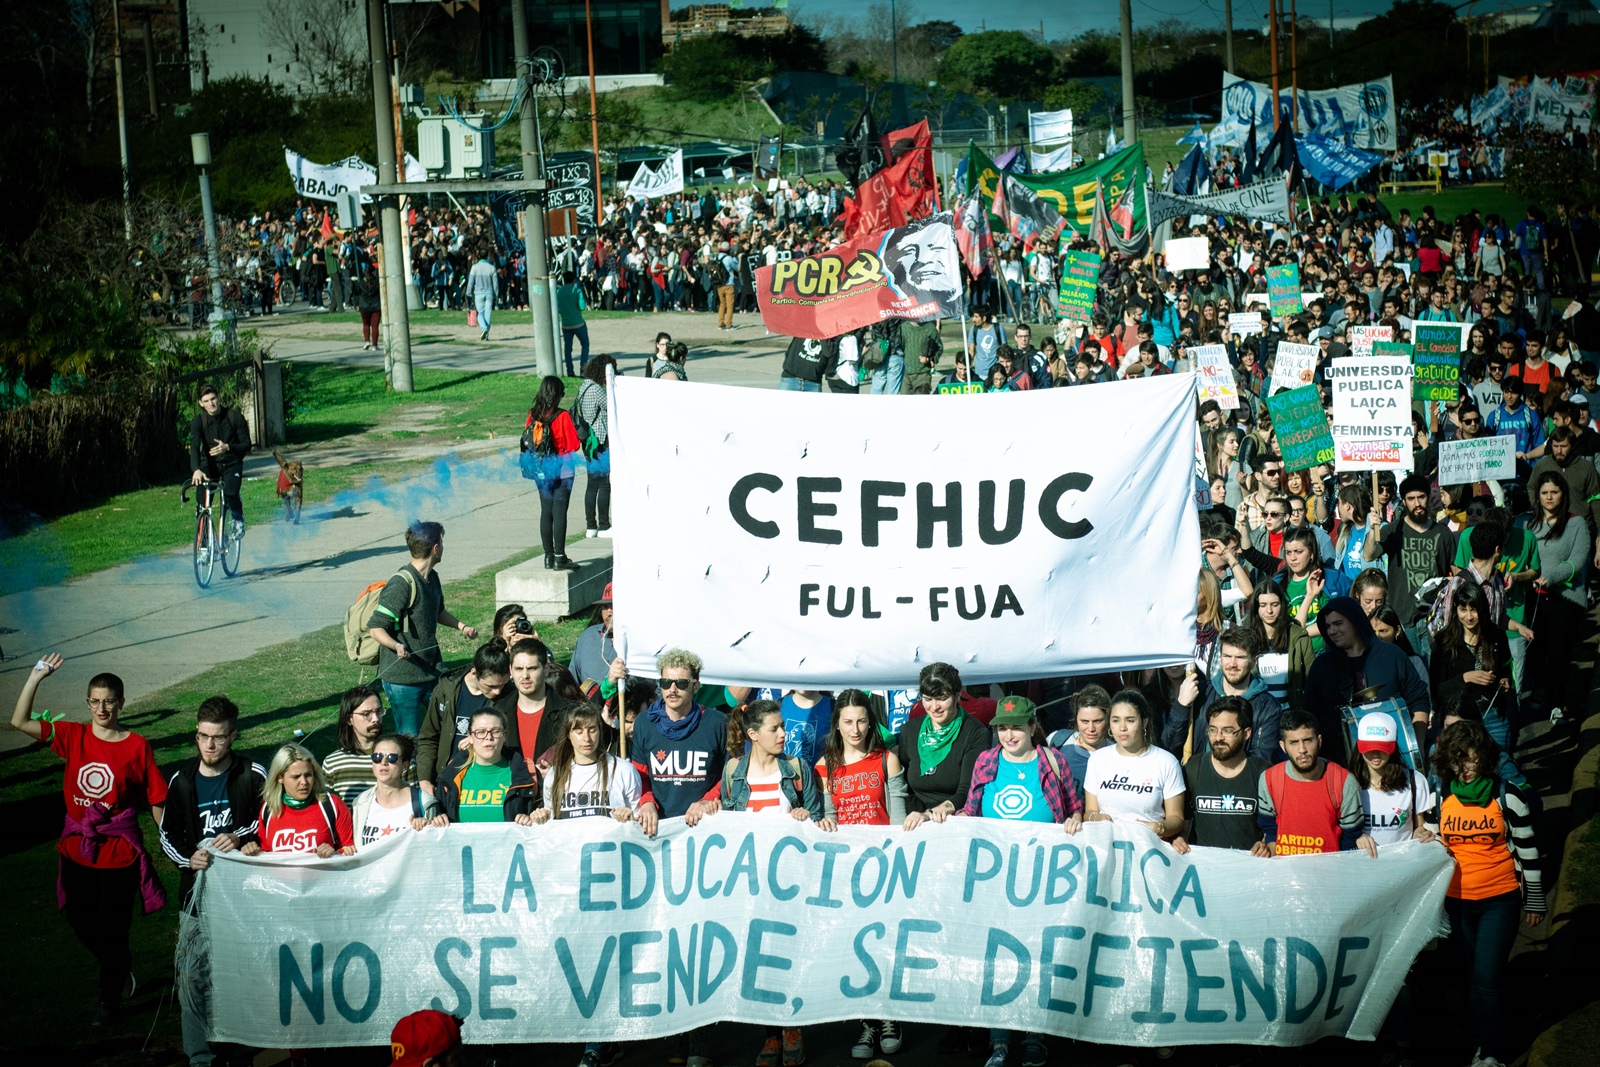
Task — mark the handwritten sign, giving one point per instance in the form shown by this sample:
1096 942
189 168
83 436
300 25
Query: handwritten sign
1216 375
1080 281
1437 356
1477 459
1295 365
1302 428
1362 338
1283 289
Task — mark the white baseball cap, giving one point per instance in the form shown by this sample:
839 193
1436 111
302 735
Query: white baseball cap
1376 732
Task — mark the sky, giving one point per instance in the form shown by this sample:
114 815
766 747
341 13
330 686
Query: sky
1063 20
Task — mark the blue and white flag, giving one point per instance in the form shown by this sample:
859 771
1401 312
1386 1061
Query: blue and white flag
1332 163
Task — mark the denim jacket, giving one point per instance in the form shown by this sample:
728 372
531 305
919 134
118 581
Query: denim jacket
797 781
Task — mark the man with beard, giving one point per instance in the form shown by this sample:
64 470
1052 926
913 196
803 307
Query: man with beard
1237 650
1309 804
348 768
1418 547
1223 785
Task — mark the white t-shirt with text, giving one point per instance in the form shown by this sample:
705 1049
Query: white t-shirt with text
1133 788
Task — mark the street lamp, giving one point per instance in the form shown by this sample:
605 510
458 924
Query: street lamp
221 322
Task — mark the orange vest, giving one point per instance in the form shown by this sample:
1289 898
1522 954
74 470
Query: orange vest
1476 838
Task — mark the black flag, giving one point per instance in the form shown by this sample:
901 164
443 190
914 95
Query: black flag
861 155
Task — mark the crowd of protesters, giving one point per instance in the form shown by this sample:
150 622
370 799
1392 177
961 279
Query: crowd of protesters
1364 666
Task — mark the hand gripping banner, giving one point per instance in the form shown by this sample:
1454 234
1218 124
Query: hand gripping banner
586 930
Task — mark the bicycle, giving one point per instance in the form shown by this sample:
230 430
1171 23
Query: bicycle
211 532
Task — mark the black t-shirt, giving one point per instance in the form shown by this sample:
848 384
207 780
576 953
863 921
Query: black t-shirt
1223 809
215 807
467 703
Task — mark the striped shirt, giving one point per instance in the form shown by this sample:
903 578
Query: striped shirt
349 774
765 794
1491 845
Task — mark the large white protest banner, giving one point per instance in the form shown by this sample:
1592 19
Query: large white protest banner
1050 127
661 181
1293 366
325 181
1477 459
816 547
585 930
1371 413
1361 114
1267 200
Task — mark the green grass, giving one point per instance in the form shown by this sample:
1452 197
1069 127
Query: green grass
734 119
294 685
331 403
1488 199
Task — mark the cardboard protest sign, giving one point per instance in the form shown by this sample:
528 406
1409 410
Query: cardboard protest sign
1437 356
1294 365
1283 288
909 272
1188 253
807 526
1302 428
1371 413
958 388
1080 281
1362 338
1244 323
585 930
1216 375
1478 459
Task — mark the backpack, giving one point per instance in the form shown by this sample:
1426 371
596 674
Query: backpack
588 441
359 644
725 273
538 438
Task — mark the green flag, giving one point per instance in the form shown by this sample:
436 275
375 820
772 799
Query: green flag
1070 191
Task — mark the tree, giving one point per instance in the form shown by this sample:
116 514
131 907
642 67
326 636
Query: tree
935 38
797 48
1083 98
324 42
1006 63
706 69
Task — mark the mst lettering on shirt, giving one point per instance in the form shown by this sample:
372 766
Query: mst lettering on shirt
118 774
483 792
860 791
1477 839
1015 793
306 829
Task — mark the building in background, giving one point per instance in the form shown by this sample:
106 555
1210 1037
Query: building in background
703 20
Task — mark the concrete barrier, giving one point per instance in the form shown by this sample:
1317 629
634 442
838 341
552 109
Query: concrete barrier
547 595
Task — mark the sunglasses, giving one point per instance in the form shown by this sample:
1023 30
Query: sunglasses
385 757
676 683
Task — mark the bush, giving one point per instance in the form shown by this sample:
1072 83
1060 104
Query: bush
1544 174
1005 63
707 69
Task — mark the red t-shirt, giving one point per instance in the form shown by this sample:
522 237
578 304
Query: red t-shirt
1540 376
306 829
528 734
1275 544
119 774
860 791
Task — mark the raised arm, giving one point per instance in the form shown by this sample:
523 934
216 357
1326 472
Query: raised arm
20 714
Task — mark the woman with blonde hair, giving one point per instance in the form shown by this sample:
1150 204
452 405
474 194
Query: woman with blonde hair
298 812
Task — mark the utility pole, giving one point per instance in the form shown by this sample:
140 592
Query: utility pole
1127 72
1294 66
1272 27
594 117
396 316
1227 36
122 121
544 328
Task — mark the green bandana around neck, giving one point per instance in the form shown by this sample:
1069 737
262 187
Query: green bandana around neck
1474 793
934 742
297 805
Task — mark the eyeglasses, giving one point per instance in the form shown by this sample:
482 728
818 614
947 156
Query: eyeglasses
1223 731
367 713
1470 422
103 705
212 739
1272 472
1297 511
668 684
1275 514
481 735
390 758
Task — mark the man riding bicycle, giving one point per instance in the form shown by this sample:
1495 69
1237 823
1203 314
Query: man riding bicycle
219 440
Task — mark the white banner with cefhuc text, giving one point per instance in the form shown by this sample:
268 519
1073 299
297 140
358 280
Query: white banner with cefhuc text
826 541
586 930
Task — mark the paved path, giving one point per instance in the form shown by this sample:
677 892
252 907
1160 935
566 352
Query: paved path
148 621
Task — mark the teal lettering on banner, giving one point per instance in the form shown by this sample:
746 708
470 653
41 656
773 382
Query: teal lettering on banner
594 932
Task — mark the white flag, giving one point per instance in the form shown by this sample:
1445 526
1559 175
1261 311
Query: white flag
665 179
1050 127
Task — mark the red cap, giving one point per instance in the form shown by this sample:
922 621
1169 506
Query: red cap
423 1035
605 597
